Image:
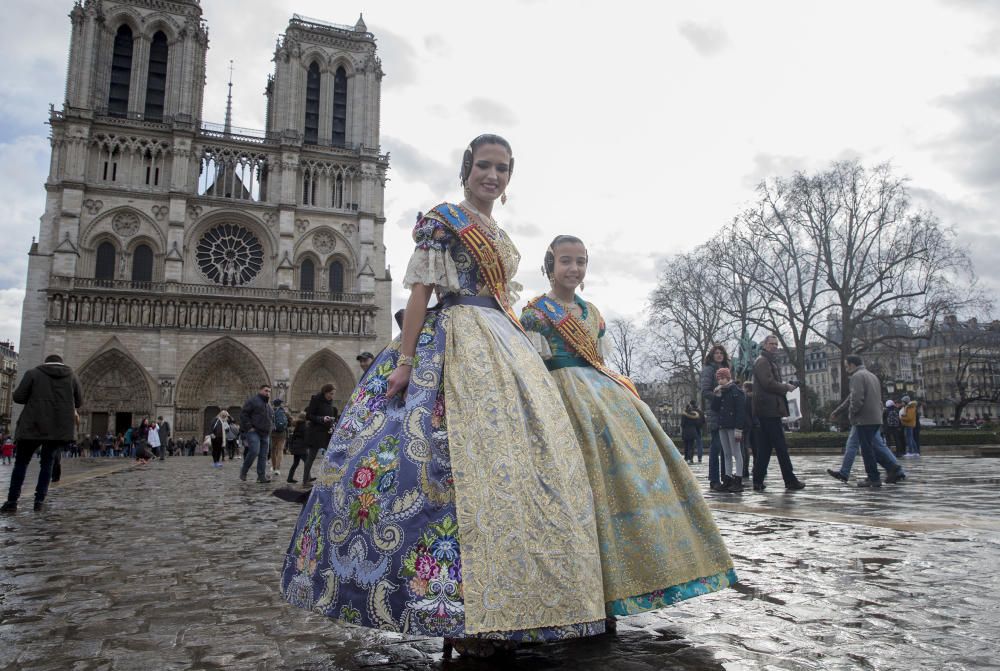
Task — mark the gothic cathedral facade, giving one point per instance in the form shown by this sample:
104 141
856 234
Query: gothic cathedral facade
181 264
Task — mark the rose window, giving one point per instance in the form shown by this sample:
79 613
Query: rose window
229 255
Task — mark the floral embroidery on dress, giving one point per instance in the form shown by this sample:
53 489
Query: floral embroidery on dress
434 569
367 399
374 477
350 614
309 545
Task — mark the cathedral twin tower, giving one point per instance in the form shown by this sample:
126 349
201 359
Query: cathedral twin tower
180 264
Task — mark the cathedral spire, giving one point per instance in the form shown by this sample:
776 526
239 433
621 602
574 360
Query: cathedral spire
229 103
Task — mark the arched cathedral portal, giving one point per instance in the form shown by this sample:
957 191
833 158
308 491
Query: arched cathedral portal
222 375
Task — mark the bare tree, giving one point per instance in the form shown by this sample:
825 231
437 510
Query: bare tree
686 316
625 337
785 270
877 255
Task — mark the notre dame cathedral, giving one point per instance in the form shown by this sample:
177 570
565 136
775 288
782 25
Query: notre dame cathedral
180 264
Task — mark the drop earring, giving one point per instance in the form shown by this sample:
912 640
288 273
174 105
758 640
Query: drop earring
503 198
581 286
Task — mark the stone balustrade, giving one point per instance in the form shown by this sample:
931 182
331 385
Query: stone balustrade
118 304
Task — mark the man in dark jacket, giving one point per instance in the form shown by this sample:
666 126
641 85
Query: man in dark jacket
164 436
257 422
769 407
322 416
50 394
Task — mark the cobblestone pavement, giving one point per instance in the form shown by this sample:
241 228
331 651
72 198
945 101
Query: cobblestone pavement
175 565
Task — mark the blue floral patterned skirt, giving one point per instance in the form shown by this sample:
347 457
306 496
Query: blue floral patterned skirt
380 541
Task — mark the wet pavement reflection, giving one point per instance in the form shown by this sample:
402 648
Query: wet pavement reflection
175 565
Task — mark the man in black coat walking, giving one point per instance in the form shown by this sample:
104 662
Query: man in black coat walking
50 394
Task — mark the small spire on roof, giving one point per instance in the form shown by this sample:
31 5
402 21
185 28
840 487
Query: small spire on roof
360 26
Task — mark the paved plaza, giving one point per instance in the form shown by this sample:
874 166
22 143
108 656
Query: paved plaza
175 565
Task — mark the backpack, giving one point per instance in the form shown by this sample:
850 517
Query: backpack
280 420
892 418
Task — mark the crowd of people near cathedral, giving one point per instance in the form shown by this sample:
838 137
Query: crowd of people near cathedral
485 452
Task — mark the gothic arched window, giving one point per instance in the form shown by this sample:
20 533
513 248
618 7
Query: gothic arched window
121 73
307 276
340 107
142 264
156 84
336 277
104 269
338 192
312 104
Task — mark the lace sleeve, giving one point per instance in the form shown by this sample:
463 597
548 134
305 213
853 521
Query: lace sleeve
431 262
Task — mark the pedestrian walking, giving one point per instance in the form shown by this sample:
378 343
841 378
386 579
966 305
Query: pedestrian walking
322 418
298 444
50 394
7 450
716 358
750 430
278 436
729 405
864 411
769 407
257 422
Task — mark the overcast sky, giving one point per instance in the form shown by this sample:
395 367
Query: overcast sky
640 127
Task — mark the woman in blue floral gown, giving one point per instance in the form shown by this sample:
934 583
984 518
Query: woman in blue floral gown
659 543
453 499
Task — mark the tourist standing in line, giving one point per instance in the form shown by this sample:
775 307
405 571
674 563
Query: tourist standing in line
50 394
278 436
716 358
257 422
749 431
322 417
769 407
908 418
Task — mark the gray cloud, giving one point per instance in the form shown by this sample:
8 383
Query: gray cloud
766 166
490 112
412 165
38 33
708 39
437 45
974 148
23 166
398 58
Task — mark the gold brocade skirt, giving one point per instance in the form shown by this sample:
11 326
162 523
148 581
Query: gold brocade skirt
659 543
528 536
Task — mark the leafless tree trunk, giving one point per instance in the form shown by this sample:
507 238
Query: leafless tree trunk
686 316
625 338
878 256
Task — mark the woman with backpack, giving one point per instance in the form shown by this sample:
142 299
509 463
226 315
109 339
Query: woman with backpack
278 435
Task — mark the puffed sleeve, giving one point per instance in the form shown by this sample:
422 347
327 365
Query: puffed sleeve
431 262
538 328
